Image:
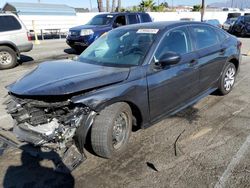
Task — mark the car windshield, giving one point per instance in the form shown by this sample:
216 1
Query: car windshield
101 20
247 19
120 47
232 20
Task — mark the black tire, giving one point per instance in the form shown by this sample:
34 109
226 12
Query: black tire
10 54
223 90
102 133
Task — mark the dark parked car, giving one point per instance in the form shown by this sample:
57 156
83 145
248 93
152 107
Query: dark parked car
241 26
132 76
227 26
82 36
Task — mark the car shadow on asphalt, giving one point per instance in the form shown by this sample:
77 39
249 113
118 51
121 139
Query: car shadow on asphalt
25 58
32 174
190 114
72 51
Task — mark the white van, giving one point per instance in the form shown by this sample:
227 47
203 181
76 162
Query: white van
14 39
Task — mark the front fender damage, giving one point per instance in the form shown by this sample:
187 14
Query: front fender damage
59 126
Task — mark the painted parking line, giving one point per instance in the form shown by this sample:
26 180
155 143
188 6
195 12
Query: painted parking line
233 163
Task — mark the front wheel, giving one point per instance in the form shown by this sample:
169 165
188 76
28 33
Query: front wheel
111 130
227 79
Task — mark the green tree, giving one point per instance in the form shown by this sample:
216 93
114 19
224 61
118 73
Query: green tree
165 4
146 5
196 8
159 8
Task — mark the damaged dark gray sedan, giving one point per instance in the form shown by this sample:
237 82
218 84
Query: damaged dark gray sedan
131 76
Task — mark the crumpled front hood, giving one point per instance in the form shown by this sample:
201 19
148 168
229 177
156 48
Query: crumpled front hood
66 77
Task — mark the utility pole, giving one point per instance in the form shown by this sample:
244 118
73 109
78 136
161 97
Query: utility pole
107 5
203 7
113 6
90 4
119 4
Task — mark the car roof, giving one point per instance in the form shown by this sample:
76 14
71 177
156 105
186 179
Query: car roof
161 25
122 13
7 14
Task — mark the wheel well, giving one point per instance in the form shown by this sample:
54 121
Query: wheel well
137 115
12 47
235 62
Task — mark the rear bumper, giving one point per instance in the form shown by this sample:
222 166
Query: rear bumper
26 48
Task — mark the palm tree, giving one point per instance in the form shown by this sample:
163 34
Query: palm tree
107 5
113 6
119 6
100 5
147 5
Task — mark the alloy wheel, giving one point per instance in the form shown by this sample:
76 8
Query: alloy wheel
229 79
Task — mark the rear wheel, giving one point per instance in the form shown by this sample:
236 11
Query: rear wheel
111 130
227 79
8 58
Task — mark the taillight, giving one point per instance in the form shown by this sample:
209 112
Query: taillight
29 36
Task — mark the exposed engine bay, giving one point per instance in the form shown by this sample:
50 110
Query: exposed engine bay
49 125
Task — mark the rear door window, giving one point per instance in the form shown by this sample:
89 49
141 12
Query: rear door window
145 18
204 36
133 19
9 23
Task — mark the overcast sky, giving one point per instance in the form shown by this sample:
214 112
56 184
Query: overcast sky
125 3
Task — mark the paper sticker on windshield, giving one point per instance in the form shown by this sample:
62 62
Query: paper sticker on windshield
148 31
110 16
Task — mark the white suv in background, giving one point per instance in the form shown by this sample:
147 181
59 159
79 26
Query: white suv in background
14 39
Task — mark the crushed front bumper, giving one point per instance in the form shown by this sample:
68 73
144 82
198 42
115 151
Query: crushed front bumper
50 130
64 162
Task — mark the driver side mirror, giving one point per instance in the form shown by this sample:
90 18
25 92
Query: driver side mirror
169 58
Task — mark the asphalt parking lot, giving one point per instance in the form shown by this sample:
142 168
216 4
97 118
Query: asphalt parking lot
212 150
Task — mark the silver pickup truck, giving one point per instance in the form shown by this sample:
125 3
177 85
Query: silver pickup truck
14 39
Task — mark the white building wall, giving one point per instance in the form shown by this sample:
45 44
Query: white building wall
65 22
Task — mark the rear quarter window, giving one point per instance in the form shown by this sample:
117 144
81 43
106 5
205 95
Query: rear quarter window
9 23
205 36
133 19
145 18
221 35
